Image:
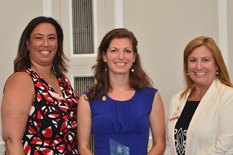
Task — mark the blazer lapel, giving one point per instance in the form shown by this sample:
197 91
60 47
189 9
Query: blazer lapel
201 109
204 103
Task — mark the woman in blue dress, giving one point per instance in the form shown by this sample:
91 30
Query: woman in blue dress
122 105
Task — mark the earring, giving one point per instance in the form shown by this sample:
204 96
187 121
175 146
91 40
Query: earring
106 69
187 73
216 72
132 70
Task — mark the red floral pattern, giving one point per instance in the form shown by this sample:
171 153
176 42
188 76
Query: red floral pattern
51 126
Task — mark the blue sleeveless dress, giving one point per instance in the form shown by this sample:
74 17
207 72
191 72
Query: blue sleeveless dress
126 122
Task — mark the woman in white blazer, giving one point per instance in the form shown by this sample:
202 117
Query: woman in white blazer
200 117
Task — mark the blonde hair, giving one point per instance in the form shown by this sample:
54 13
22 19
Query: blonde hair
223 75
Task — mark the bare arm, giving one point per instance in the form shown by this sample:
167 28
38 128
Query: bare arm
157 124
84 126
16 104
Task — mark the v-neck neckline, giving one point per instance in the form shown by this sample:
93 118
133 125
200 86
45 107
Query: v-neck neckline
50 88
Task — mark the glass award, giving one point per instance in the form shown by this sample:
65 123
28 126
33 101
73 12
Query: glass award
118 148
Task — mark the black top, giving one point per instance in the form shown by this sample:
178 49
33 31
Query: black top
180 131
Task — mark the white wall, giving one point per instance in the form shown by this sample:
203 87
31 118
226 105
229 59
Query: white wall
163 28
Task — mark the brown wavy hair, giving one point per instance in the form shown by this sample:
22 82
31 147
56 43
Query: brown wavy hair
222 75
137 79
22 60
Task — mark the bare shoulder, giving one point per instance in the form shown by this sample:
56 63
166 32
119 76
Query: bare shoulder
83 104
21 75
19 84
157 94
157 97
83 99
19 78
83 108
158 103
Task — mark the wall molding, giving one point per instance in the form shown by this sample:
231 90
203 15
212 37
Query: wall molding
223 29
118 13
47 8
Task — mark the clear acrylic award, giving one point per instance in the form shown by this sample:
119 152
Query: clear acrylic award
117 148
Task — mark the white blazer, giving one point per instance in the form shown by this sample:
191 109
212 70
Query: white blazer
210 131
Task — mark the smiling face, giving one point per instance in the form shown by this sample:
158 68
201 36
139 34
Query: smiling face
119 56
201 66
42 44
